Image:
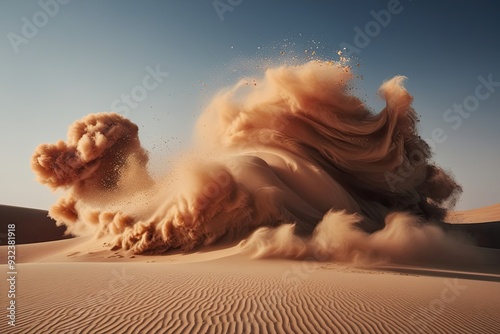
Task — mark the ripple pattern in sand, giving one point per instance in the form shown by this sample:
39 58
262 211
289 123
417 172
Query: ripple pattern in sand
95 298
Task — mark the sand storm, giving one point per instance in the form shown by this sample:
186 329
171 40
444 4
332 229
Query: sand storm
296 151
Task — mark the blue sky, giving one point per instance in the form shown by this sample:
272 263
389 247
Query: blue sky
84 55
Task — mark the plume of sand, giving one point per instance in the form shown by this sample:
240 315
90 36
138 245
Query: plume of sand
293 147
405 239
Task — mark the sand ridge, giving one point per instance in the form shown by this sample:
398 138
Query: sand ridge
489 213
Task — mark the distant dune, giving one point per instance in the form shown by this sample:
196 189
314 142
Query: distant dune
32 225
480 215
482 224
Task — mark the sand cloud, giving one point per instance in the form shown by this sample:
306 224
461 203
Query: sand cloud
294 152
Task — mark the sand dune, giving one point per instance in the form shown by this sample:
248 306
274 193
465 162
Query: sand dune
482 225
487 214
80 286
25 219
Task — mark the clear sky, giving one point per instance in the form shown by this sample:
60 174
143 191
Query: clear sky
62 60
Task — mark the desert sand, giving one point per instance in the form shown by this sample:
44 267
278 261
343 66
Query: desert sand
297 210
79 285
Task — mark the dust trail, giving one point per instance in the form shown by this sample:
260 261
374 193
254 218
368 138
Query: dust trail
294 147
405 239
